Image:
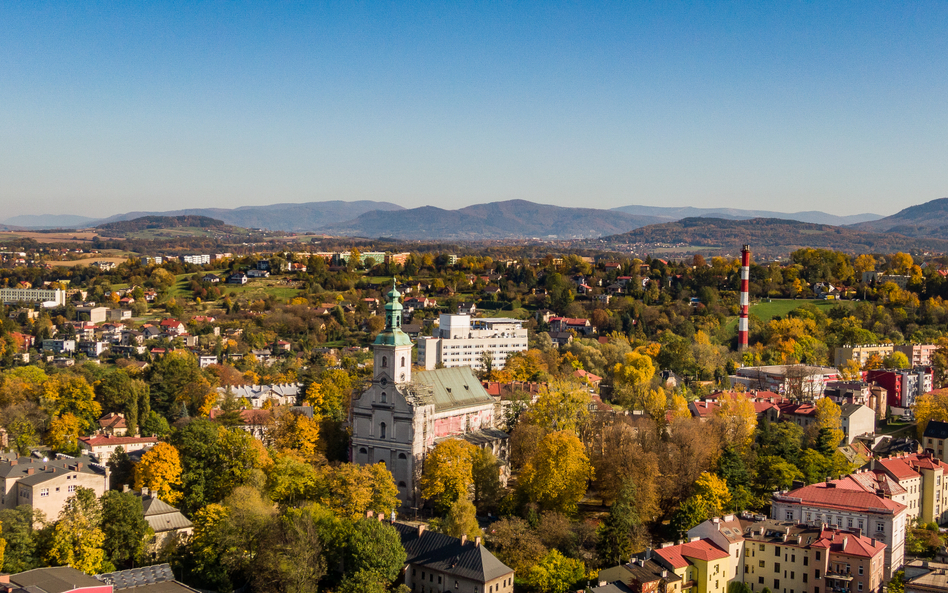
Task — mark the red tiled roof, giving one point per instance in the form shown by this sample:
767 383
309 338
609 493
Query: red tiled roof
828 495
898 467
107 440
701 549
849 543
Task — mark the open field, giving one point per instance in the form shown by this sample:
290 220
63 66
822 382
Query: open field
766 311
68 236
87 261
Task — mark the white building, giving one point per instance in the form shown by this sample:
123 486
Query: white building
461 341
49 298
198 260
95 314
59 346
794 380
278 394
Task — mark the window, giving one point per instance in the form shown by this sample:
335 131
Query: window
70 488
860 586
806 561
761 564
760 580
776 567
384 397
44 492
776 584
402 456
817 575
804 577
817 554
384 362
777 551
793 557
363 451
382 430
761 547
792 575
789 515
403 361
860 570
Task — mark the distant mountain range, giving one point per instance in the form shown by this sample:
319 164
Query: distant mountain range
49 221
814 216
161 222
770 235
924 220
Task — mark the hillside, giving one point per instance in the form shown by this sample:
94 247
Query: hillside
923 220
160 222
307 216
49 221
765 235
814 216
513 219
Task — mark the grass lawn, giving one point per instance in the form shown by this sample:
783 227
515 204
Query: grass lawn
766 311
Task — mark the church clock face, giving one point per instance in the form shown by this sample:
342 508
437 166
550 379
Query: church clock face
403 376
384 381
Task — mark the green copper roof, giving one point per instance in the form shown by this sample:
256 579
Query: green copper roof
395 337
452 388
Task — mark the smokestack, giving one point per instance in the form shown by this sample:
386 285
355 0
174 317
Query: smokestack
745 299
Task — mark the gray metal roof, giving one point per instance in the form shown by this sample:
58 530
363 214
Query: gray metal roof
450 389
18 468
161 516
58 579
936 430
447 554
147 579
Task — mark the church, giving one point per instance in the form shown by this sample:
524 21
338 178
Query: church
400 417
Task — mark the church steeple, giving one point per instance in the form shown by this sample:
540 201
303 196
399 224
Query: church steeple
392 347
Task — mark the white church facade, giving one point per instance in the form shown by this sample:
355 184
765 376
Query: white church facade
401 416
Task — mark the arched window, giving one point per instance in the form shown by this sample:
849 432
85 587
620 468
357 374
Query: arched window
402 456
403 361
384 397
382 430
402 485
363 451
384 362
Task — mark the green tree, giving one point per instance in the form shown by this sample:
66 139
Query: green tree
155 424
21 538
462 520
555 573
373 546
485 472
126 531
168 376
118 392
617 531
291 557
773 474
896 360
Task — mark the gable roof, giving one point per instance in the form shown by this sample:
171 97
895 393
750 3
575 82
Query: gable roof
936 430
56 579
447 554
828 495
701 549
898 467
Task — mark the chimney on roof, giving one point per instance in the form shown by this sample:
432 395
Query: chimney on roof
421 529
369 514
477 541
29 471
144 491
14 461
79 466
125 488
463 539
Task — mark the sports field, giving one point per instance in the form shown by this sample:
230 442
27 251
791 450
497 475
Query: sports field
767 309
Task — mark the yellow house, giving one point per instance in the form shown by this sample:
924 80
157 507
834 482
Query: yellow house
701 564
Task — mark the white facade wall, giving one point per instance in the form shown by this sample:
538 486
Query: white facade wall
33 295
461 342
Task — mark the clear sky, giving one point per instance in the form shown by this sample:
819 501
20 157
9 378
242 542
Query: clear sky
107 107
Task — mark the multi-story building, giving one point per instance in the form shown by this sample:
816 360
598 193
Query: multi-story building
152 260
845 504
102 446
461 341
93 348
399 418
934 437
46 484
94 314
642 575
59 346
860 354
48 298
919 355
926 576
903 385
198 259
797 381
790 556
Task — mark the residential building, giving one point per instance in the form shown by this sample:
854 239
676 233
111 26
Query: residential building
933 439
851 392
237 278
45 484
103 446
857 420
156 578
93 348
277 394
152 260
59 346
438 562
119 314
198 260
640 575
206 360
702 565
113 424
461 341
919 355
903 385
790 556
860 354
563 324
845 504
165 520
400 417
48 298
252 273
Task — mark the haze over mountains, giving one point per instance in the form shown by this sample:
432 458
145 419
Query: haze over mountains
513 219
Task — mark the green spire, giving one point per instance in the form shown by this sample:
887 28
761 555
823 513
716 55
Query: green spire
393 335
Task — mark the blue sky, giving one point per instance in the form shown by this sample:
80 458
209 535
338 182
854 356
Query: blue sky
110 107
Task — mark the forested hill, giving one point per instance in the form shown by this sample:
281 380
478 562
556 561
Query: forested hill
773 235
162 222
922 220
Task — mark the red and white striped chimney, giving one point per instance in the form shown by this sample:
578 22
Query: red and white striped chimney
745 298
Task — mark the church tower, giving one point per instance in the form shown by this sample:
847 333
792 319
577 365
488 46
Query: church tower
392 347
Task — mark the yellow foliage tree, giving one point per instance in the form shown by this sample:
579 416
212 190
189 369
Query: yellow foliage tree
655 404
931 406
160 470
738 419
449 472
296 432
638 369
526 366
555 477
713 492
63 434
850 371
679 407
563 406
72 394
350 490
829 416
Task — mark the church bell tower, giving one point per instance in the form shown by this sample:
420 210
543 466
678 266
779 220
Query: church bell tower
392 347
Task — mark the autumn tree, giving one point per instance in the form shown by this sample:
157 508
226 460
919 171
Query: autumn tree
896 360
563 406
555 573
71 394
829 417
292 431
738 419
350 489
160 471
448 473
462 520
291 558
76 539
63 434
555 477
931 406
516 544
485 474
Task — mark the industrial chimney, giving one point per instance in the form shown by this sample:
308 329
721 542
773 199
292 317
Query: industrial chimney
745 299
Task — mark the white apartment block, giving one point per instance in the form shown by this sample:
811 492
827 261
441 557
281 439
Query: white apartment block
49 298
461 341
861 354
198 260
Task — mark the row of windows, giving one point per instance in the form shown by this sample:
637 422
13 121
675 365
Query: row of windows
44 492
431 579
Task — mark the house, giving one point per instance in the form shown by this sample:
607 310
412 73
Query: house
640 575
282 346
59 346
46 483
113 424
926 576
103 446
698 563
165 520
933 439
119 314
211 278
237 278
578 325
91 313
467 309
206 360
54 579
857 420
444 563
172 326
588 377
544 315
561 338
258 273
93 348
278 394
